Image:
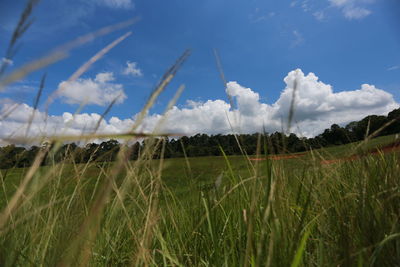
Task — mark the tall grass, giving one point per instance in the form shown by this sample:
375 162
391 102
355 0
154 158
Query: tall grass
221 211
262 214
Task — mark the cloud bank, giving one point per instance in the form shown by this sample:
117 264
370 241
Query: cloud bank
316 107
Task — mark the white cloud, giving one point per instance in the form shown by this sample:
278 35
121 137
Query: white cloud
317 107
99 91
298 39
125 4
6 61
340 3
352 9
305 6
354 12
396 67
319 15
259 16
104 77
43 125
21 87
316 103
247 101
132 69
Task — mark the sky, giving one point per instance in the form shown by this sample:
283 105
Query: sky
340 57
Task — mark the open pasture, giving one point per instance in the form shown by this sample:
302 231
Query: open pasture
208 211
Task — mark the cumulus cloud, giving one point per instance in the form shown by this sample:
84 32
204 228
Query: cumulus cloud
44 125
98 91
248 101
317 106
132 69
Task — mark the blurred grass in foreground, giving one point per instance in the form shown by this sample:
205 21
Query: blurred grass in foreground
175 212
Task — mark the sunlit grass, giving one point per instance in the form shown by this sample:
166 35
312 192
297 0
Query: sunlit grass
208 211
260 214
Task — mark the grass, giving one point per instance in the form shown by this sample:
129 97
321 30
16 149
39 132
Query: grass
356 147
292 212
210 211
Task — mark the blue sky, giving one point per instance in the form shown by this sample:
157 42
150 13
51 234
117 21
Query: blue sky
345 43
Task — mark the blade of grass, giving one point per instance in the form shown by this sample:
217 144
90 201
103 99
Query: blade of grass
297 260
35 104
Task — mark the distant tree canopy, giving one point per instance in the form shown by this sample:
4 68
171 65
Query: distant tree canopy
12 156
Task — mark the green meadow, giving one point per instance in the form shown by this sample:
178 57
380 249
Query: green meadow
207 211
336 206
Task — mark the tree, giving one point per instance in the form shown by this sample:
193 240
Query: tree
336 135
108 150
369 125
395 126
12 156
90 152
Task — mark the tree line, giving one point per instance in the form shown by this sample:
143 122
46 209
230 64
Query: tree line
208 145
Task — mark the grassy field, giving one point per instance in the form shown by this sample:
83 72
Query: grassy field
327 207
210 211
